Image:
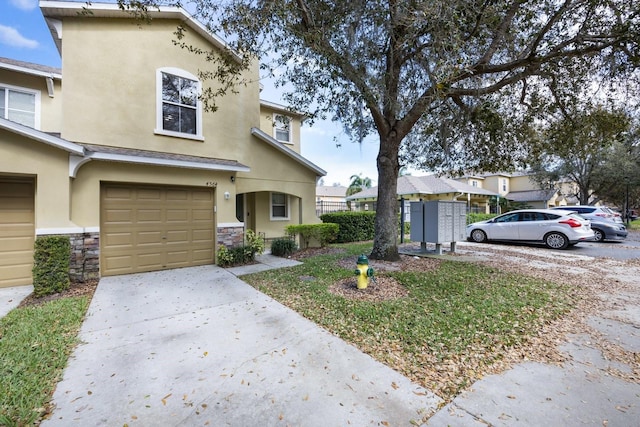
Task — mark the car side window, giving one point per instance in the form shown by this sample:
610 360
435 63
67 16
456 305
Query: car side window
508 218
552 216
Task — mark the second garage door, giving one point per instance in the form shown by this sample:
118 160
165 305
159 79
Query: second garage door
16 231
148 228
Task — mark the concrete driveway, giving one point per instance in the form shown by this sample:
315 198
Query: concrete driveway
198 346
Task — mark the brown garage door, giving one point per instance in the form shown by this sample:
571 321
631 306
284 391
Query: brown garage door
148 228
17 231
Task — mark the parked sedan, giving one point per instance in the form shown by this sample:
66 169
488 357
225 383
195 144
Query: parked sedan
593 212
603 228
557 229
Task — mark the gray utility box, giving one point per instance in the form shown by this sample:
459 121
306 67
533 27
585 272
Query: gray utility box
438 222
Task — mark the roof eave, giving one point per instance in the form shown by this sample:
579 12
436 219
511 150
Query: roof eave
53 10
287 151
40 136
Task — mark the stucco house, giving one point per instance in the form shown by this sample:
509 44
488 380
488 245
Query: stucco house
519 187
430 187
115 151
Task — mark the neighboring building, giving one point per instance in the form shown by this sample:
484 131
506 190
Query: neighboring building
517 187
330 199
430 187
118 154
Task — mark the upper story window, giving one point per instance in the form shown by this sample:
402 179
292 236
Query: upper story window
19 105
279 206
282 128
179 111
474 183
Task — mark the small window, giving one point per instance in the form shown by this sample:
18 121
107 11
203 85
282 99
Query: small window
282 128
179 108
18 106
504 185
279 206
474 183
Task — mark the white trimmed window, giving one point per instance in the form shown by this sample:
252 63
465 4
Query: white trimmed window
282 128
279 206
20 105
179 110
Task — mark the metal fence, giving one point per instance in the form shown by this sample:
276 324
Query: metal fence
323 207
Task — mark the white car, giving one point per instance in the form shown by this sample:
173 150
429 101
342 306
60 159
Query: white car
557 229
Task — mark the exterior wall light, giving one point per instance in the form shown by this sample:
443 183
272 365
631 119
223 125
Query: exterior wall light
227 196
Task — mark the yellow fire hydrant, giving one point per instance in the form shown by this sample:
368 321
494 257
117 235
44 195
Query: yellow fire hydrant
363 271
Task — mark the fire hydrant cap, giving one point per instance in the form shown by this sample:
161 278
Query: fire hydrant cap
362 259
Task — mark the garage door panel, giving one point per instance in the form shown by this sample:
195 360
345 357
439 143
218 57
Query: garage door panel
149 215
178 215
118 216
152 261
117 239
170 227
202 215
178 236
178 195
147 238
17 231
202 195
17 244
202 235
148 194
203 256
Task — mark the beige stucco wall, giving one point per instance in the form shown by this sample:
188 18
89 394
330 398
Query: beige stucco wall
522 183
50 108
266 125
22 156
85 207
113 102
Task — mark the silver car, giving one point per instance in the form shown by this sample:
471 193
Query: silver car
557 229
604 228
593 212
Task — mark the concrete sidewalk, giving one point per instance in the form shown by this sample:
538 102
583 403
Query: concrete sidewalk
198 346
11 297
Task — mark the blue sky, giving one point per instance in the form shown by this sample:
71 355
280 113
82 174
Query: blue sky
24 36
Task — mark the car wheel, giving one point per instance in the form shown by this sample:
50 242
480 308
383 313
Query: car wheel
556 240
478 236
599 235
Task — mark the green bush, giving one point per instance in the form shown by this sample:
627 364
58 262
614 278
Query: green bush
323 233
407 226
283 247
353 226
51 265
475 217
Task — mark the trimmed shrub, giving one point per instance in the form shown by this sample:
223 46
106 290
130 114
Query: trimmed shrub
322 233
51 265
353 226
475 217
283 247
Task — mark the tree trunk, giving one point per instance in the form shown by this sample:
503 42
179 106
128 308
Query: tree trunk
385 243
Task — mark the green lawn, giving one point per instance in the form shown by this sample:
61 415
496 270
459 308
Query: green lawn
35 343
461 314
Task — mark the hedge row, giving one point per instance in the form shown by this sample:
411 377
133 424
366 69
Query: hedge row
353 226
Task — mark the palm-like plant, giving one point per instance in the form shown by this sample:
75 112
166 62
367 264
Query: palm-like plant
358 183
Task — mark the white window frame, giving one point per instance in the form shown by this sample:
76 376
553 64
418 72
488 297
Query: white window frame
36 93
159 111
276 127
287 207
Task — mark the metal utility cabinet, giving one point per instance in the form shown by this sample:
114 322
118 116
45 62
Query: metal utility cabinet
438 222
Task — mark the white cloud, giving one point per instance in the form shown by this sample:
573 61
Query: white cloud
25 4
11 37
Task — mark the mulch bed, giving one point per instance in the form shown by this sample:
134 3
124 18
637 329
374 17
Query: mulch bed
75 290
